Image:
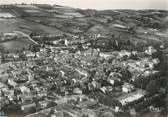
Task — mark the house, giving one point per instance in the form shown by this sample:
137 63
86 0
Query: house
87 103
41 55
126 88
61 101
43 104
24 89
58 114
77 91
106 89
124 53
25 98
29 54
9 94
12 83
106 55
42 93
70 111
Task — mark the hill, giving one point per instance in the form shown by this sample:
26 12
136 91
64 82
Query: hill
122 24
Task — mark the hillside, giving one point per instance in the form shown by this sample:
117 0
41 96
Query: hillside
123 24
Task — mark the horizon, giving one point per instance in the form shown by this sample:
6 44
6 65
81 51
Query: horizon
99 4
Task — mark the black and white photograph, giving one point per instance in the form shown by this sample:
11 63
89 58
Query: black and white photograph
83 58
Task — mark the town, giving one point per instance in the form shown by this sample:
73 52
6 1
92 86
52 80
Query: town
76 74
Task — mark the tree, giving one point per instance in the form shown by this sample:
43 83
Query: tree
166 103
153 87
126 75
108 114
84 115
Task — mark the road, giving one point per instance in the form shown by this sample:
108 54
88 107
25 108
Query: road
28 37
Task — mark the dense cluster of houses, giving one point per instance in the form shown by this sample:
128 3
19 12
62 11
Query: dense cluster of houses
88 78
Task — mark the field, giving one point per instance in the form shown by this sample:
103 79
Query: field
6 15
26 26
141 25
14 45
10 25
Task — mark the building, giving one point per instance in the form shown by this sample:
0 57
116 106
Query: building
125 100
28 107
126 88
12 83
87 103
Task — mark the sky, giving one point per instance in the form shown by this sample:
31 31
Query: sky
100 4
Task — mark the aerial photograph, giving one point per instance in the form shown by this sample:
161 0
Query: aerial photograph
83 58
